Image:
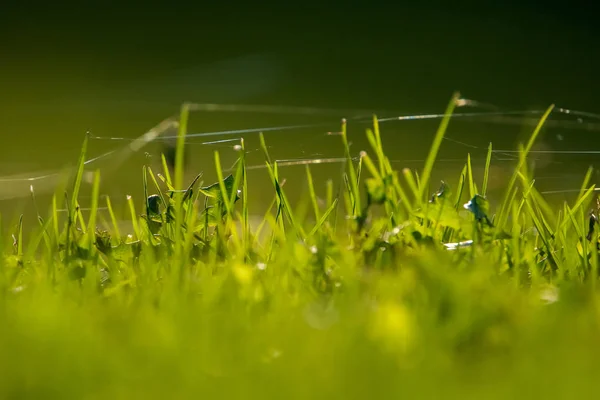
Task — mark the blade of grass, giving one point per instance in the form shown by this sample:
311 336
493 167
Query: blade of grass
285 205
412 184
486 171
352 175
322 220
470 180
437 142
586 181
503 207
116 233
380 154
94 209
165 167
311 192
542 234
461 186
73 209
134 218
245 206
20 238
178 195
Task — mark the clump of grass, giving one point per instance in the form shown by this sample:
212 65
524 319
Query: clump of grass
427 293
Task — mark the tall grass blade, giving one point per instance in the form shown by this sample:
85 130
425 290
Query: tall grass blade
470 180
94 209
113 218
486 171
503 208
437 142
134 218
322 220
352 174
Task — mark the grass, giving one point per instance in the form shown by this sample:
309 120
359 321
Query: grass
389 289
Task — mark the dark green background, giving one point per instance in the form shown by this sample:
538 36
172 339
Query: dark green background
116 70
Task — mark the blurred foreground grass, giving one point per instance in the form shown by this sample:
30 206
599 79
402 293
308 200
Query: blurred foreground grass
378 290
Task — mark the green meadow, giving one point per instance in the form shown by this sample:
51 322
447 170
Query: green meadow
394 286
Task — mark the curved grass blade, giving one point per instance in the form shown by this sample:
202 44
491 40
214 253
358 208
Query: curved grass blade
486 171
323 218
437 141
503 208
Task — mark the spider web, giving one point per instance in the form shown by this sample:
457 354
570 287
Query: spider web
297 137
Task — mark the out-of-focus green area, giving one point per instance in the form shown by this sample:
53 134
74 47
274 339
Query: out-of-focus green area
126 69
345 279
380 290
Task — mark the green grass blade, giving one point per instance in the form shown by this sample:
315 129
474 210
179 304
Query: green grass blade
352 174
113 218
285 205
486 171
460 188
179 172
245 203
470 180
412 183
54 216
20 238
166 172
94 208
322 220
134 218
78 177
523 156
437 142
311 193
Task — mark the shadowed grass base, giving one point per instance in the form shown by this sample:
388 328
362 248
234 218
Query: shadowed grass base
387 288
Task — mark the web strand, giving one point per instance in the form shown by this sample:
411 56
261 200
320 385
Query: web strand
166 131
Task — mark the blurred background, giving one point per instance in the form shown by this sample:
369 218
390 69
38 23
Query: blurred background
116 70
